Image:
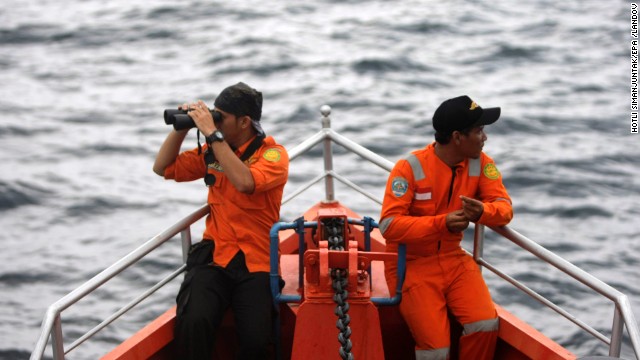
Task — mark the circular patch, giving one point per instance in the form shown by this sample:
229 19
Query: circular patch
399 186
272 155
491 171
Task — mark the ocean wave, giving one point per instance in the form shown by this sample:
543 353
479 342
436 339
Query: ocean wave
30 34
97 118
162 13
517 181
539 28
6 64
613 164
16 354
259 68
19 193
27 34
508 125
510 53
12 131
425 27
103 149
379 66
299 114
85 36
24 278
100 205
566 212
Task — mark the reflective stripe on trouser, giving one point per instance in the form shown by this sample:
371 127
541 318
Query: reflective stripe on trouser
435 354
482 325
451 282
478 339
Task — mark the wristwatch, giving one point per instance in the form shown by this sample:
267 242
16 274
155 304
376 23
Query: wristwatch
215 136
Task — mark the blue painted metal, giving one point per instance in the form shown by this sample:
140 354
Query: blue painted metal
299 225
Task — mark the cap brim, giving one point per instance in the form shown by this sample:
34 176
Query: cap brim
257 126
489 116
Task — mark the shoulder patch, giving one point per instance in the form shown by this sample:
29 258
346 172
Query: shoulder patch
491 171
399 186
272 155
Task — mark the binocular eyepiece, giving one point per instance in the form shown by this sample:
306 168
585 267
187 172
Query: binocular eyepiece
181 120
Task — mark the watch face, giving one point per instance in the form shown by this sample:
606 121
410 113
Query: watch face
215 136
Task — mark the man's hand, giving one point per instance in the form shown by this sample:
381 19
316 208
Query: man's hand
457 221
472 208
201 115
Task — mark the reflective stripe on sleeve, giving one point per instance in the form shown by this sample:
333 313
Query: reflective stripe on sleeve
481 326
416 167
474 167
384 224
435 354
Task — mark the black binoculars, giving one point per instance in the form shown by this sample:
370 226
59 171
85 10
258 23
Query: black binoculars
181 120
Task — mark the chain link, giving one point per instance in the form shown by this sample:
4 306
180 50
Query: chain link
334 229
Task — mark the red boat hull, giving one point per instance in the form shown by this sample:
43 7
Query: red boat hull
308 330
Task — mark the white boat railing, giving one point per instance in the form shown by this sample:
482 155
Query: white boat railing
623 315
52 323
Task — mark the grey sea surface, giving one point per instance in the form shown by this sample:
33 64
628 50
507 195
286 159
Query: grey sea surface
84 84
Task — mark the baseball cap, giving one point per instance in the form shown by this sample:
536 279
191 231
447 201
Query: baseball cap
461 113
241 99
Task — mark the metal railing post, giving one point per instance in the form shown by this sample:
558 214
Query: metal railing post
56 339
185 236
478 244
325 110
616 333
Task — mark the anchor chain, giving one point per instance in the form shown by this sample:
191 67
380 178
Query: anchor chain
339 278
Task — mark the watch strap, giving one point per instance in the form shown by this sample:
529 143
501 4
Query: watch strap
215 136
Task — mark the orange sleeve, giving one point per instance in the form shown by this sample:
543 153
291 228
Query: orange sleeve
271 168
396 222
188 166
491 191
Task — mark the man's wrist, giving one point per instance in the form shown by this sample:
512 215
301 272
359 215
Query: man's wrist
215 136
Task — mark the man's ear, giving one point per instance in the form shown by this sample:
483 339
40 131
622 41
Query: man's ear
245 121
455 136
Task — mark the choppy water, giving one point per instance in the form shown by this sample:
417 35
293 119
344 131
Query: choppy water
84 84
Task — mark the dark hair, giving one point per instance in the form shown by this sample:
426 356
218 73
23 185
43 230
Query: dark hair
444 139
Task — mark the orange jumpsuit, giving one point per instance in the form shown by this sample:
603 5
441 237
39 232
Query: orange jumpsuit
231 211
441 277
239 224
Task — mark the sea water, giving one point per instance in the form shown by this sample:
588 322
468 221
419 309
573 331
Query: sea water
84 83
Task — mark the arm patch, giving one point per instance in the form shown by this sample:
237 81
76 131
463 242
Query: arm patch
491 171
399 186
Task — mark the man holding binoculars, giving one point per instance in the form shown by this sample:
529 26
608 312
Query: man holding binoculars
245 172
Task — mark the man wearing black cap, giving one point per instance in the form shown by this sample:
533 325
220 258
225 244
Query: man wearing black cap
245 172
430 198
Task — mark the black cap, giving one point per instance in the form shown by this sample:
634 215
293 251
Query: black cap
240 100
462 113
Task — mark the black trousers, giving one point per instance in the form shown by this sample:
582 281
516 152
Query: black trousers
207 292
